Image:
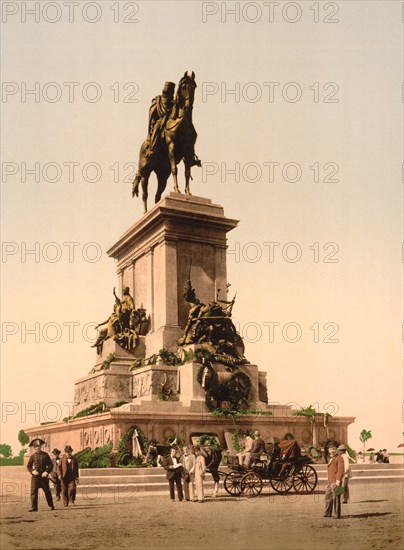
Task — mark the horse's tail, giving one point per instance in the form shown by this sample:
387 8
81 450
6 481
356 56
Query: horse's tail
135 184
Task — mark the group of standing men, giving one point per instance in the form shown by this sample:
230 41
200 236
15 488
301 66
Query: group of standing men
189 469
63 471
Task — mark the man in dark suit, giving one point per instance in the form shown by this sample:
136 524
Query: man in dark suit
69 476
174 474
54 474
257 449
39 466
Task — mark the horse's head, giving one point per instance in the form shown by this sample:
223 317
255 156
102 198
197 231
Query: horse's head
184 98
213 458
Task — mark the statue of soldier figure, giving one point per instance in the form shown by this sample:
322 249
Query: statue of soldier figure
123 325
159 111
170 139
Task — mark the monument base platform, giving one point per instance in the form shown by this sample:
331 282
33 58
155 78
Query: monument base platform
163 420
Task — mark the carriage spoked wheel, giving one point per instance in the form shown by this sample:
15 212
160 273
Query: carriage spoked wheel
282 484
305 480
251 484
232 483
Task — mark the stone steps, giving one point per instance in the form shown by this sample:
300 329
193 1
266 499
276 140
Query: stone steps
129 482
366 467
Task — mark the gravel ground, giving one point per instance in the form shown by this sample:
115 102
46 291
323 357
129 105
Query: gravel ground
372 520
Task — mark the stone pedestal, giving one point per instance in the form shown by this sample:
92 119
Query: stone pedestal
155 383
109 386
122 357
191 391
154 258
110 382
155 254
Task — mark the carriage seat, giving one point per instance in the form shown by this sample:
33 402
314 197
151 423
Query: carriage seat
259 462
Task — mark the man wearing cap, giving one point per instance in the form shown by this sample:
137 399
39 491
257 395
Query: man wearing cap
257 449
159 112
347 472
335 473
39 466
54 474
69 476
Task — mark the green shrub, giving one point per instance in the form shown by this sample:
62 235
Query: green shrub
119 403
94 409
235 437
308 411
101 457
105 365
209 440
15 461
125 457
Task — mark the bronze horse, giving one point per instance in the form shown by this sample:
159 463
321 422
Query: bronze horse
177 143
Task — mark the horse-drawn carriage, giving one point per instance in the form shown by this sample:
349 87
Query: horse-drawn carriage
285 470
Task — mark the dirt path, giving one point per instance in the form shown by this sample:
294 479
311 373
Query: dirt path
373 520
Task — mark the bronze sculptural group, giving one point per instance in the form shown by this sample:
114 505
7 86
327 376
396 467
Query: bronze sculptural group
124 325
210 325
171 139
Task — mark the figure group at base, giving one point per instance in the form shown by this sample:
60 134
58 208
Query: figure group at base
62 471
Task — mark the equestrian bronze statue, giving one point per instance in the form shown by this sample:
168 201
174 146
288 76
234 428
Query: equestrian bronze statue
171 139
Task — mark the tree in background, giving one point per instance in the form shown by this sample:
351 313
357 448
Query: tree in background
5 450
23 438
364 436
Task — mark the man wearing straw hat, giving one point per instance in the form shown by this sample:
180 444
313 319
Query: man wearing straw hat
347 472
334 489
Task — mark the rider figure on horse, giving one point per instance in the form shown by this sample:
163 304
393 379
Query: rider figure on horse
170 139
159 112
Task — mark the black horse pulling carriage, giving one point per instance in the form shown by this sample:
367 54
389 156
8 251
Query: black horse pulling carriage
286 469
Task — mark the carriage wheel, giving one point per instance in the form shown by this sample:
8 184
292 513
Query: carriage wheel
262 472
282 484
251 484
232 483
305 480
